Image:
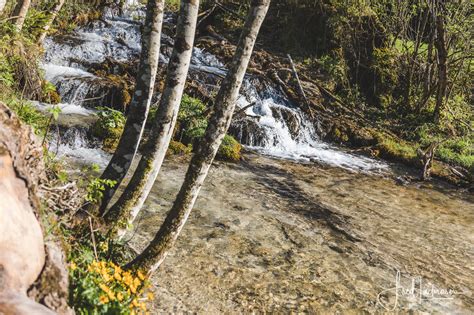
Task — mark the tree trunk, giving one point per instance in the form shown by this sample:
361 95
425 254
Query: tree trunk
440 44
2 5
140 104
50 22
219 122
19 13
130 202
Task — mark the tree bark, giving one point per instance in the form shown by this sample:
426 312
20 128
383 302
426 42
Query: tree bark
2 5
135 194
155 253
440 44
54 14
19 13
140 104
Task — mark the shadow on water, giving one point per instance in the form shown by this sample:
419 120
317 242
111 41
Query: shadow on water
283 184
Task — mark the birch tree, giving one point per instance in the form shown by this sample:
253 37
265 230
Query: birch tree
156 251
141 99
19 13
2 5
54 14
154 152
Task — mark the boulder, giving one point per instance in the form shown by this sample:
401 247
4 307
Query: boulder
22 248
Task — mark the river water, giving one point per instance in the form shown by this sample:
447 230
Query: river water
277 232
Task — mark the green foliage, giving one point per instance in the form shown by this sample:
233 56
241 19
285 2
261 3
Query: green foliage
28 114
100 286
191 117
96 188
35 22
109 126
49 93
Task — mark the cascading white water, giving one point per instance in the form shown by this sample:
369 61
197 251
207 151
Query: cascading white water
75 144
271 126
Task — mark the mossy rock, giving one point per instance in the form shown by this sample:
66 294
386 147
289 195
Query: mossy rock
109 127
230 149
397 149
178 148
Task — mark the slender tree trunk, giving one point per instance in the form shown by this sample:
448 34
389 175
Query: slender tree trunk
219 122
130 202
442 52
50 22
2 5
19 13
140 104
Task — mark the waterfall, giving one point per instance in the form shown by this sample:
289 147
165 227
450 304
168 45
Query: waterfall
270 124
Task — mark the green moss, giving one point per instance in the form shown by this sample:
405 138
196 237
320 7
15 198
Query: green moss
178 148
396 149
109 127
229 149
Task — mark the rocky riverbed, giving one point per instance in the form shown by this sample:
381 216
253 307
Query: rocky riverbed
273 235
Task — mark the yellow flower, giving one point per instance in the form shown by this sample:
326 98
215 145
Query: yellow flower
133 312
136 282
133 289
140 275
73 266
111 295
119 296
103 299
150 296
104 287
117 276
143 306
135 302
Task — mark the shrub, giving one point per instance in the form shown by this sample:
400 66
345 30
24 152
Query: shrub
96 188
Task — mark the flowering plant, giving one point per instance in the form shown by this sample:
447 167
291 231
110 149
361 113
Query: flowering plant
102 287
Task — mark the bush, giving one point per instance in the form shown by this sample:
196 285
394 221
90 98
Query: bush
109 127
192 120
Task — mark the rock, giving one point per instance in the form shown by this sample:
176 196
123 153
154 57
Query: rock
22 250
12 303
51 288
21 238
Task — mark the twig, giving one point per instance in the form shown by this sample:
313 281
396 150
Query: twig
93 239
300 87
230 11
243 109
297 79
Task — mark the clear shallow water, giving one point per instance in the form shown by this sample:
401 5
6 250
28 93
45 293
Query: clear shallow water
273 126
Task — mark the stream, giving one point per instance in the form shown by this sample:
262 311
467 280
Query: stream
298 225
